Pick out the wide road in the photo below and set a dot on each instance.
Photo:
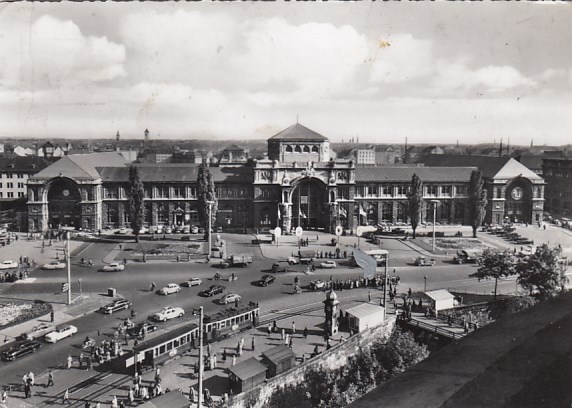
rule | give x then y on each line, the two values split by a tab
134	283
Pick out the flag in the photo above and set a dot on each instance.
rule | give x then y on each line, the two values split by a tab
279	215
302	214
343	212
362	211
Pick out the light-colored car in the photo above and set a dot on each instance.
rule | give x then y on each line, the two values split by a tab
60	333
317	284
193	282
143	230
422	261
229	298
194	229
168	313
170	288
8	265
168	230
54	265
122	231
328	264
186	229
292	260
113	267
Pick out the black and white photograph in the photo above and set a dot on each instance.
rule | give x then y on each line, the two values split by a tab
277	204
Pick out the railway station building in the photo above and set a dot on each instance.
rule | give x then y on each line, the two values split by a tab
299	183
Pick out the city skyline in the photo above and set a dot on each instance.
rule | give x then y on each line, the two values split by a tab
380	72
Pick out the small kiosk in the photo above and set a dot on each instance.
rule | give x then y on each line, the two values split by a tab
441	299
246	375
279	359
364	316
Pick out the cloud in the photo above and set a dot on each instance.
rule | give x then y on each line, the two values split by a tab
51	53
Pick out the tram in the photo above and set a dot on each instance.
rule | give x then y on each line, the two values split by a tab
167	345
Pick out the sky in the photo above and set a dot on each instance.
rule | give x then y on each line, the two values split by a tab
379	72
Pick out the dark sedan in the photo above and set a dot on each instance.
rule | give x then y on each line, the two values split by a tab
213	290
266	280
141	328
20	349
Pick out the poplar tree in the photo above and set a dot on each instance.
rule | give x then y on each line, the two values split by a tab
136	201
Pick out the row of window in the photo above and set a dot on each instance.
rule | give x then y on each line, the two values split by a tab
402	190
10	194
302	149
182	192
11	185
11	175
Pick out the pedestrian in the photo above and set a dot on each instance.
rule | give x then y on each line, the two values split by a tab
287	339
233	361
114	402
305	332
97	405
192	394
50	379
224	354
291	342
4	399
27	390
269	330
69	362
282	335
80	360
66	397
253	341
52	316
274	326
293	328
236	302
369	297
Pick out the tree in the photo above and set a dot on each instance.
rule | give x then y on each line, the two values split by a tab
477	200
415	201
136	201
495	265
541	273
206	192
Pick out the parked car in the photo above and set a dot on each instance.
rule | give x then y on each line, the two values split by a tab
8	265
422	261
139	329
186	229
317	284
292	260
54	265
168	313
266	280
193	282
168	230
60	333
276	267
328	264
122	231
170	288
143	230
213	290
194	229
116	305
113	267
20	349
229	298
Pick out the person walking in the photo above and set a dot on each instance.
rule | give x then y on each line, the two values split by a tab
269	330
233	361
369	297
52	316
66	397
69	362
293	327
305	332
50	379
253	343
114	402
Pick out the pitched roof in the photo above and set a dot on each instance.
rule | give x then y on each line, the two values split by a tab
404	174
279	353
178	173
171	399
364	310
247	369
298	133
23	164
82	166
514	168
440	294
488	165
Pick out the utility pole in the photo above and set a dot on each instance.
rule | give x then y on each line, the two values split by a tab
201	357
435	202
210	203
69	266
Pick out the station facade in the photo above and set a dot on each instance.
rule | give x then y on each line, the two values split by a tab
300	183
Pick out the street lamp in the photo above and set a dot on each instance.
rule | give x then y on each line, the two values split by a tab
435	202
425	285
201	357
68	266
210	203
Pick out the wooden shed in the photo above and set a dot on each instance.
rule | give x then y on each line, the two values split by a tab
246	375
364	316
441	299
279	359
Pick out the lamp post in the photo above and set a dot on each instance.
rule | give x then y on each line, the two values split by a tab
210	203
425	284
201	357
68	267
435	202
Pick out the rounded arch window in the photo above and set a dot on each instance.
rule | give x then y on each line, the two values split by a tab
298	149
306	149
315	149
289	149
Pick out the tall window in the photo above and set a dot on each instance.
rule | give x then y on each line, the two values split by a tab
162	192
179	192
401	190
447	190
461	190
371	191
432	191
386	191
9	185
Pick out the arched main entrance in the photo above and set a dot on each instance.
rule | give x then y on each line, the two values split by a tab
63	204
309	198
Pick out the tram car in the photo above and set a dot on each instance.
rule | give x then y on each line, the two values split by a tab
231	321
164	346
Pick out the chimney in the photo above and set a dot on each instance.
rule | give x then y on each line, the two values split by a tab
500	148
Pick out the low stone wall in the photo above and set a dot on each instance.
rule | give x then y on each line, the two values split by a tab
330	359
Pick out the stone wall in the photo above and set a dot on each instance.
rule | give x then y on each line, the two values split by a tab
331	359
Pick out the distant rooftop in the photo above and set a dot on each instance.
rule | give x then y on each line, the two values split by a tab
298	133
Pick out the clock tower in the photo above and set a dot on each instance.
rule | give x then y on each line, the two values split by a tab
331	309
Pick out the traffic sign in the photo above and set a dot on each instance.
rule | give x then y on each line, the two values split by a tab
65	287
299	231
277	232
339	230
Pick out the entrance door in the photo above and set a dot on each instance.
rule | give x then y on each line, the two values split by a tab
308	201
63	204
